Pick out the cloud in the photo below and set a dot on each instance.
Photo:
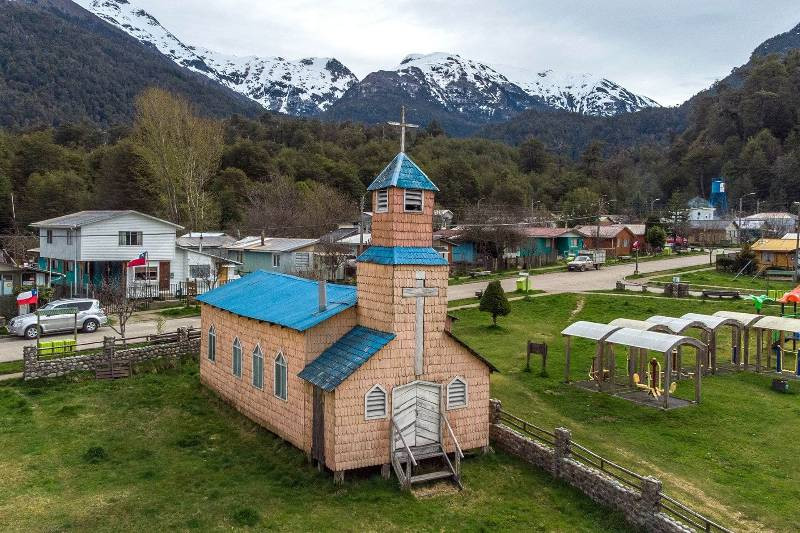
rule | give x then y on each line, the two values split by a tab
665	50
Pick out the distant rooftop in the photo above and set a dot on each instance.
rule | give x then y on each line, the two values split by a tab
84	218
280	299
271	244
211	239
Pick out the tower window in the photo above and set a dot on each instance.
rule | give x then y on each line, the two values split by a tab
382	201
413	200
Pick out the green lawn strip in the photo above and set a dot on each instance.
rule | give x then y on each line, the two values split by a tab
460	280
183	311
159	451
669	271
712	278
10	367
729	457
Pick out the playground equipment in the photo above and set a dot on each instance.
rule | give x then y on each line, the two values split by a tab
775	328
681	326
653	385
758	300
603	369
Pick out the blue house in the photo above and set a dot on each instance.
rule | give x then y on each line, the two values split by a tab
271	254
544	246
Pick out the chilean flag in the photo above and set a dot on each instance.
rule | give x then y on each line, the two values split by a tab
28	297
139	261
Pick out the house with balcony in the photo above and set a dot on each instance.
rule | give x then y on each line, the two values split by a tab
80	251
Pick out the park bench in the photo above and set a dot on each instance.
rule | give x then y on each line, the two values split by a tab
721	294
479	273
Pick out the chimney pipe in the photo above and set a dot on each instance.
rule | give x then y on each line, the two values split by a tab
262	237
323	295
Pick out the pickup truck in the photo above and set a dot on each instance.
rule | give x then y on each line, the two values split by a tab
586	260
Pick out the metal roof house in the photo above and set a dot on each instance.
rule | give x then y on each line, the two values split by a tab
359	376
273	254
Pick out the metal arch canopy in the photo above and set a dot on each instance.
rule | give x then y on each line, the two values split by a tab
711	321
652	340
589	330
745	319
631	323
779	323
677	325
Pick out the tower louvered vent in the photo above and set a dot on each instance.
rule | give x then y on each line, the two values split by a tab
413	200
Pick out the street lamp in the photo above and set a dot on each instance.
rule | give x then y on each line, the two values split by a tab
652	203
740	213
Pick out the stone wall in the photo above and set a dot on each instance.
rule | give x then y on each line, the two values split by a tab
640	507
35	368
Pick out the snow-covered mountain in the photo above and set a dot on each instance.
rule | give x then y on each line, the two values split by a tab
580	93
448	82
298	87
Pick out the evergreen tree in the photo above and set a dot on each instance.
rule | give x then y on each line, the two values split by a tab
494	301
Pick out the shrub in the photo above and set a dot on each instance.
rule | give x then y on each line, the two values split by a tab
246	516
494	301
95	454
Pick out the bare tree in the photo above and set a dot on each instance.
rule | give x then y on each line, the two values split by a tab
183	152
285	208
116	303
331	256
497	229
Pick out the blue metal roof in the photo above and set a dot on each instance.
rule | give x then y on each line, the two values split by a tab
280	299
403	173
344	357
401	255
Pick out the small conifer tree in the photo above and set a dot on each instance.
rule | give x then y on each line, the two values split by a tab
494	301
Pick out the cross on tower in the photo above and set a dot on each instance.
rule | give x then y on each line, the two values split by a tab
420	292
403	125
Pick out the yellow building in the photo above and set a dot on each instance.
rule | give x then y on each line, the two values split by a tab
356	376
775	253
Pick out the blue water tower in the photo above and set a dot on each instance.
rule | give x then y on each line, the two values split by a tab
719	198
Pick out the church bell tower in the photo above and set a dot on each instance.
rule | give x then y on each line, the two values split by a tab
402	280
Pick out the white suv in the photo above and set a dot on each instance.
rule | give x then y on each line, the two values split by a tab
90	317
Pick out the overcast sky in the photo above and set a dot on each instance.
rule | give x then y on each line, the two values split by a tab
665	49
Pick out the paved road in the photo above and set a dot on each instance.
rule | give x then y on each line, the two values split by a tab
11	347
605	278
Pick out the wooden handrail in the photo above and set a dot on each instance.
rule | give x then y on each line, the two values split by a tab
452	435
403	440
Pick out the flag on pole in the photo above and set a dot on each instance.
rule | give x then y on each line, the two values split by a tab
139	261
28	297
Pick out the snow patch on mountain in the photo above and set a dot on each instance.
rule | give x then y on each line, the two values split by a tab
305	86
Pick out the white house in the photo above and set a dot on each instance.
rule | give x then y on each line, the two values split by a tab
88	247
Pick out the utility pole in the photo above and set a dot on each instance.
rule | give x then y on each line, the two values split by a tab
740	214
599	214
796	240
361	225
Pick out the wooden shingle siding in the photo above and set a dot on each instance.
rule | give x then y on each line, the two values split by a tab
290	419
400	228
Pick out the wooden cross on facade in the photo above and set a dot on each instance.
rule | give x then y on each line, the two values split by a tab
403	125
420	292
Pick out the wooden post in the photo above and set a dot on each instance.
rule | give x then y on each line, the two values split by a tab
385	472
779	352
567	343
769	348
746	346
679	363
631	365
667	377
642	363
611	358
698	375
759	345
713	349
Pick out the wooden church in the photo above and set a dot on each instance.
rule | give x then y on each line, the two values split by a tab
357	376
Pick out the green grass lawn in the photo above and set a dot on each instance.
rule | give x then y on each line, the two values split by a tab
725	279
159	452
183	311
731	457
10	367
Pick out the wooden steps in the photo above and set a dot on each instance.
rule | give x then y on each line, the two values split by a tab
431	476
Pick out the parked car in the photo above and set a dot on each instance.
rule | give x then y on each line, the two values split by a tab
90	317
587	259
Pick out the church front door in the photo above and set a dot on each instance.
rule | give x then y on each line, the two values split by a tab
416	411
